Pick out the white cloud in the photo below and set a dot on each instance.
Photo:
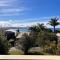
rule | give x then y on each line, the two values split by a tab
11	12
12	23
11	7
6	2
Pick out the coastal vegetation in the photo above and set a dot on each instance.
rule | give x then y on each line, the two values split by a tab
40	41
54	22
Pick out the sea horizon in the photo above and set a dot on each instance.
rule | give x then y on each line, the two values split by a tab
25	29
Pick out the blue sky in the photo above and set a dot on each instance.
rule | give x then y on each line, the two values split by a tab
25	11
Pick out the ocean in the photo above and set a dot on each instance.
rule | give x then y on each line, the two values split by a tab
23	30
55	28
26	29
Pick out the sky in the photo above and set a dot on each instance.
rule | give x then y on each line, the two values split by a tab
28	12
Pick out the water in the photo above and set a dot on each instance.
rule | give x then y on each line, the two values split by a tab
55	29
26	29
23	30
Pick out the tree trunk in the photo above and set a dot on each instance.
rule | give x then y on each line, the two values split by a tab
54	28
26	52
56	43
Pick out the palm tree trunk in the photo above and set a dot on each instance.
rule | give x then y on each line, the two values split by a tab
54	28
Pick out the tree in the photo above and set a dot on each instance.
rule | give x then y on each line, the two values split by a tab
4	45
43	36
37	28
54	22
41	27
24	43
46	38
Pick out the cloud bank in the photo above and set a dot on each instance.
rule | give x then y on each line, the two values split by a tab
12	23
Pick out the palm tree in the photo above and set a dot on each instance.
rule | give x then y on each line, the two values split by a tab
37	28
54	22
41	27
33	28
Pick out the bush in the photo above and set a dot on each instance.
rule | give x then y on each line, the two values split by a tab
35	51
45	38
25	43
51	50
4	44
14	51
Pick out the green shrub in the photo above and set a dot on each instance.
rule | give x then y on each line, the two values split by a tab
4	44
51	50
14	51
35	51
